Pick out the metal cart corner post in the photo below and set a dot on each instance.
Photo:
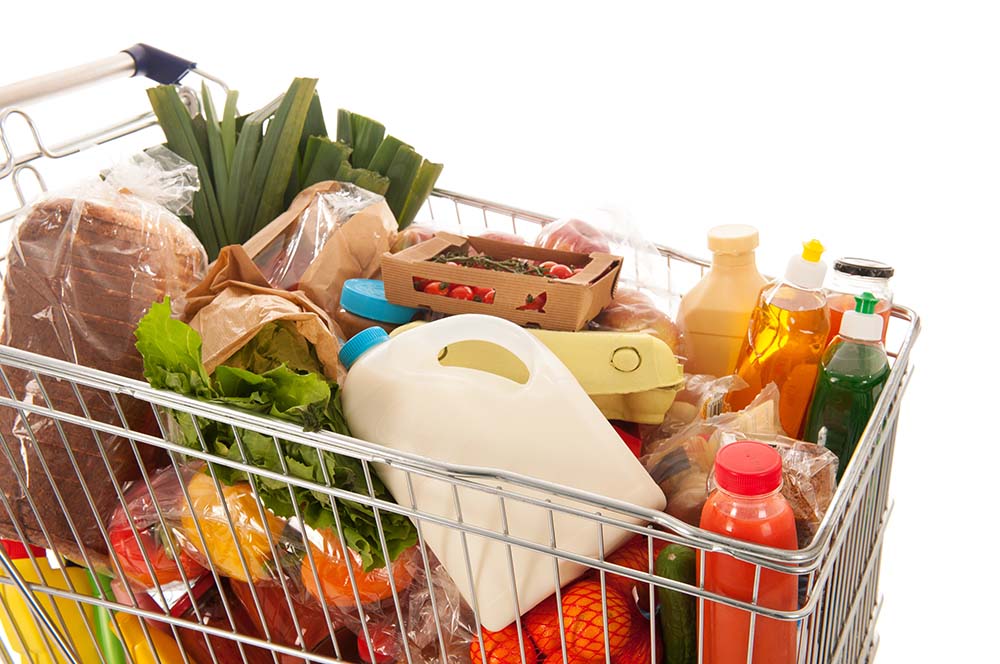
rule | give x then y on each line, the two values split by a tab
835	620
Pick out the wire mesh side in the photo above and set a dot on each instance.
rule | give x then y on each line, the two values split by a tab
848	570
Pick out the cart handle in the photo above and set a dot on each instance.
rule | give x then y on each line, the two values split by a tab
137	60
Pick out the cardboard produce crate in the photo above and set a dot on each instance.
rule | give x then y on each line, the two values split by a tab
533	301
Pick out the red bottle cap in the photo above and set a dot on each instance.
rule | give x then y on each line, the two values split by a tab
748	468
17	551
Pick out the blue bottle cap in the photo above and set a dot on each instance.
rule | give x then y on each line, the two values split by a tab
357	345
366	298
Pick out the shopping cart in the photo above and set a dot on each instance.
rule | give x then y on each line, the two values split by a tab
838	573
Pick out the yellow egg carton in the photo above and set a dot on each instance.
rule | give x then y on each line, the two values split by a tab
631	376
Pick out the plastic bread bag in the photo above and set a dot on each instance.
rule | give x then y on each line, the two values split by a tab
332	232
83	267
681	463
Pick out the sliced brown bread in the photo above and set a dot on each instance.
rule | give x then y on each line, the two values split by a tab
80	275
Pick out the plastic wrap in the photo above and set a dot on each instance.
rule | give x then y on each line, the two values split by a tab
681	463
702	397
642	302
332	232
261	558
809	480
425	643
83	267
632	310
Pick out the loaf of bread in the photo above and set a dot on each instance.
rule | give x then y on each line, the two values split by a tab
80	274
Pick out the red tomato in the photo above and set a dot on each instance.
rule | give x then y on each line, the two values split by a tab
385	642
560	271
483	294
436	288
548	265
460	293
419	284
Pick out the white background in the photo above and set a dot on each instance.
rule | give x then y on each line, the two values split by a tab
873	126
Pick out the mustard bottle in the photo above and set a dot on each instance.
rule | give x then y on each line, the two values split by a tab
715	313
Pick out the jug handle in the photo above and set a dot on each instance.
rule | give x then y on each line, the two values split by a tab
424	343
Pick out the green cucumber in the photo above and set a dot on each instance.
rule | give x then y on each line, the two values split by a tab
678	611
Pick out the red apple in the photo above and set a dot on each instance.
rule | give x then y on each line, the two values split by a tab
573	235
502	236
634	311
411	235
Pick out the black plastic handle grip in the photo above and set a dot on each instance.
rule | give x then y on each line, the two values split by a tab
160	66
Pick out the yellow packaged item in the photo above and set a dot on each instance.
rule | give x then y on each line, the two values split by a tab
159	648
631	376
26	635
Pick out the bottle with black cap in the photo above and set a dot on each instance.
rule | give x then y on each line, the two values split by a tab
852	277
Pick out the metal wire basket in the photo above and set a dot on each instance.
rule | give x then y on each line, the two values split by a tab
838	572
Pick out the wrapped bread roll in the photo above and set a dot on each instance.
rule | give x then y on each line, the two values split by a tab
81	272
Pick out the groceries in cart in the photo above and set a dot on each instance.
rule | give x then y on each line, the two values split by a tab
381	441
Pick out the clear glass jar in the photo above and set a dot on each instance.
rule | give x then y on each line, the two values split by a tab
854	276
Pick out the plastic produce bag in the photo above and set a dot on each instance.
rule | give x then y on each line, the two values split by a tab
332	232
641	302
702	397
83	267
424	641
681	463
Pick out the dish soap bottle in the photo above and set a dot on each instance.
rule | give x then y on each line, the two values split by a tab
785	339
715	313
851	378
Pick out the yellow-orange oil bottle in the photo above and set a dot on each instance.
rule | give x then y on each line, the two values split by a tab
786	338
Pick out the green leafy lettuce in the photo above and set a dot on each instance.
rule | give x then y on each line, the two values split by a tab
277	374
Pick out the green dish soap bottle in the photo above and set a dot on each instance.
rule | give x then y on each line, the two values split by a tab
851	377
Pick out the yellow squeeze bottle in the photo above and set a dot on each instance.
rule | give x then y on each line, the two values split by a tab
786	338
28	637
714	314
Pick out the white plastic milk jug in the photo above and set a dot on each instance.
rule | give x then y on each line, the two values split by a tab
399	395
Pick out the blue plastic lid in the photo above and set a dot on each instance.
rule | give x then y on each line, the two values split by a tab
359	344
366	298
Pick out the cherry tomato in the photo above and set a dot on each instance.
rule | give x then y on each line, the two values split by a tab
460	293
419	284
560	271
453	264
548	265
483	294
385	642
436	288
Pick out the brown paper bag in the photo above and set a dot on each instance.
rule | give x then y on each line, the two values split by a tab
332	232
234	302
